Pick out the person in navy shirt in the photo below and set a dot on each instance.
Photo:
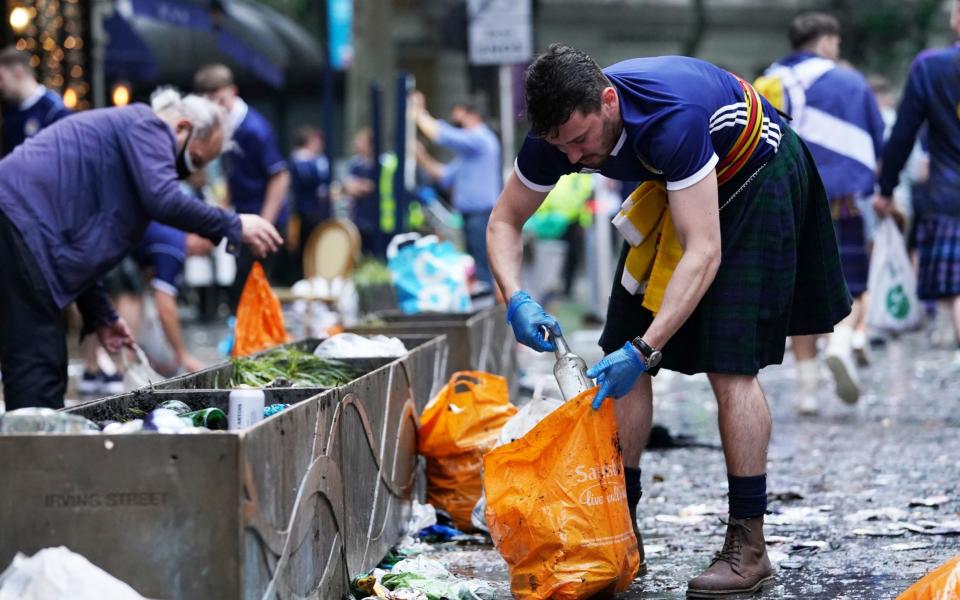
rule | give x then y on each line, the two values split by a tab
161	255
834	110
473	176
932	97
257	176
310	180
759	255
362	186
117	170
28	106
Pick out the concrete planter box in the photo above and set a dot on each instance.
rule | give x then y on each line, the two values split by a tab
287	508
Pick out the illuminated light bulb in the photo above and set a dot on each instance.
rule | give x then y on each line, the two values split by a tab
70	98
19	18
120	94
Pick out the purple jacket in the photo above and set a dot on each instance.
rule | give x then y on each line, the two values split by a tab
82	192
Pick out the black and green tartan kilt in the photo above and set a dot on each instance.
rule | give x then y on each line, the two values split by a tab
779	275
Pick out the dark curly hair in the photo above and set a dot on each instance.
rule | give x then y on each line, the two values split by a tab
809	27
560	81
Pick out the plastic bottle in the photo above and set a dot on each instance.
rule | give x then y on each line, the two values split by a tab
44	420
246	408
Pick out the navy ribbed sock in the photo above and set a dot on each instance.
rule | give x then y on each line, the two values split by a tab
748	496
634	489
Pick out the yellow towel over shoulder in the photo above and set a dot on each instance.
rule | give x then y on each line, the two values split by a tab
644	221
644	217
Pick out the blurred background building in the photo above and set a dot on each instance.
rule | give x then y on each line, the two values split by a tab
314	61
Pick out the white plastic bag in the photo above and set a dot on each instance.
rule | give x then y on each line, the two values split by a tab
139	373
892	284
60	573
351	345
518	426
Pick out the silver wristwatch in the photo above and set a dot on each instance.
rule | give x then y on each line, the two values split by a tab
650	356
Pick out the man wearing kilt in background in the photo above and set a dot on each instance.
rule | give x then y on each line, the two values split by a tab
745	254
834	111
932	96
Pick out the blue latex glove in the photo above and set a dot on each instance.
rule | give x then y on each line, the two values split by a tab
616	373
528	319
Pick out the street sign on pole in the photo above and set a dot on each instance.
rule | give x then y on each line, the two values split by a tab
500	31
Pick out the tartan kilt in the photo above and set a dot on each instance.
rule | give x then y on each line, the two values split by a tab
852	242
780	275
938	250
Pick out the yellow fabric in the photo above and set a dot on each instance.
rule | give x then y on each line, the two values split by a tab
645	222
644	218
771	88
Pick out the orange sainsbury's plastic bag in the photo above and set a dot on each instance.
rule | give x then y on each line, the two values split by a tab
259	317
557	506
456	429
943	583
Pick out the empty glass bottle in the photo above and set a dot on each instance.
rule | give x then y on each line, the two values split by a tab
570	370
211	418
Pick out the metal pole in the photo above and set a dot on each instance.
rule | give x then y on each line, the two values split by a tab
606	201
401	147
506	118
99	10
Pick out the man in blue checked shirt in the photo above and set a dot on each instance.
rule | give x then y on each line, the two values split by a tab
473	177
257	176
835	112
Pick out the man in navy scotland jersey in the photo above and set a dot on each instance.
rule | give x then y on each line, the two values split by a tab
759	259
836	114
931	97
257	176
28	106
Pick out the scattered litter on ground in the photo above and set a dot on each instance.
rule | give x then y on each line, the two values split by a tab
901	547
420	578
930	501
877	514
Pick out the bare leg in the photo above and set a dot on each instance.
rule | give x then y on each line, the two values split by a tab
805	347
634	419
955	313
88	349
806	401
744	423
860	308
856	316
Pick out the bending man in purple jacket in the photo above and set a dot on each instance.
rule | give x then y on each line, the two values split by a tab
74	200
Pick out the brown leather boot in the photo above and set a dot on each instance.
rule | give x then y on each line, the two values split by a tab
642	570
741	567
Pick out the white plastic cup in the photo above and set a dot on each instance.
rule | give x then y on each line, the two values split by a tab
246	408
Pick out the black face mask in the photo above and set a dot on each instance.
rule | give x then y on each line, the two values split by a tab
185	166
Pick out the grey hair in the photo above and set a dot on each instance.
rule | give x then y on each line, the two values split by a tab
205	115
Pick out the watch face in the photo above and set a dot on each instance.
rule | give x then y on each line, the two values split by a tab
654	359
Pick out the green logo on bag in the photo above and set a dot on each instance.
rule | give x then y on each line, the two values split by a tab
898	305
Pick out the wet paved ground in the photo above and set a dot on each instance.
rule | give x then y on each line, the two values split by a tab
841	483
900	443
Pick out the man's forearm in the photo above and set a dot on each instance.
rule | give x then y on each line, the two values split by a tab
505	251
276	191
170	322
432	166
428	126
690	281
504	245
95	308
